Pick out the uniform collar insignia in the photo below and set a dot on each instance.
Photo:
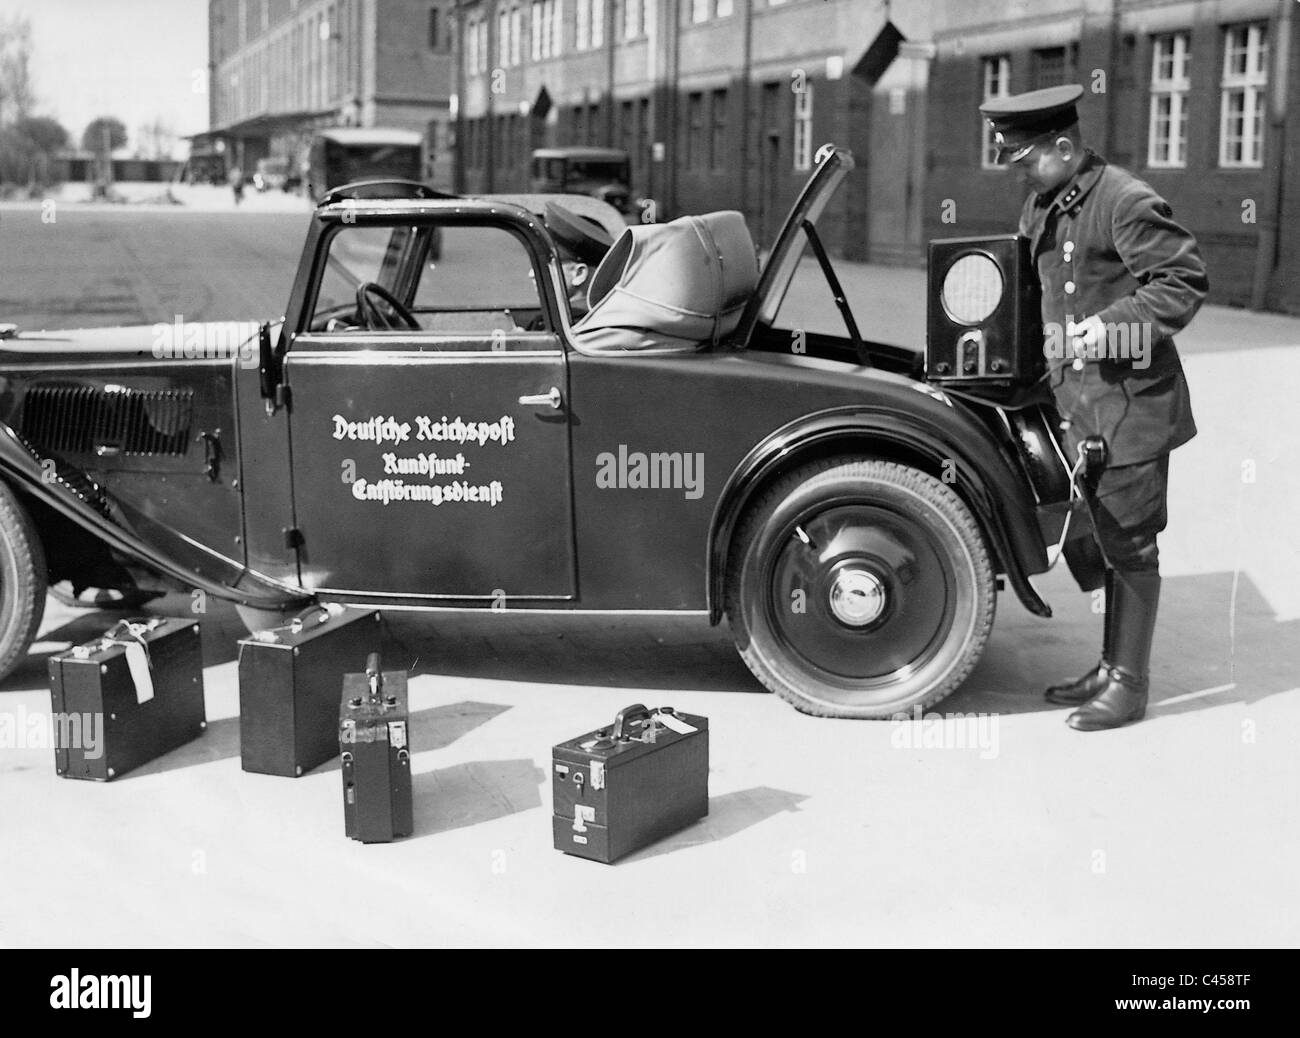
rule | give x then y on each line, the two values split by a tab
1082	182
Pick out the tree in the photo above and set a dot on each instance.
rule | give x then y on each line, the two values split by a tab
16	96
47	135
155	139
93	138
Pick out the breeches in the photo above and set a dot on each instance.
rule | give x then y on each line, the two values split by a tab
1129	510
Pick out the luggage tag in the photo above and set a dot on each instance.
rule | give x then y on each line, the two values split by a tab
137	662
131	639
674	723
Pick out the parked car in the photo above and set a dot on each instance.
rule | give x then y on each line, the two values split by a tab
349	154
442	435
276	174
603	173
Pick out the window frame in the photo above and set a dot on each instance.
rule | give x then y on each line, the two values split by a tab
538	261
1174	88
1252	87
994	87
801	138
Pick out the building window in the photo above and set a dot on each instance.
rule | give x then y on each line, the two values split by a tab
516	35
724	8
476	47
699	10
433	28
1241	115
1167	136
547	21
582	36
803	107
598	23
643	132
997	83
633	19
1050	68
627	129
503	38
718	130
694	130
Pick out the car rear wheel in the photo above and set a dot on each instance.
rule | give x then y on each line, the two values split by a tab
860	588
23	581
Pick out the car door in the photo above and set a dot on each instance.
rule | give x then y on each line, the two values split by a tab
431	463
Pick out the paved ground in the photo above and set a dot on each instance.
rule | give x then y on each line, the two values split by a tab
1179	831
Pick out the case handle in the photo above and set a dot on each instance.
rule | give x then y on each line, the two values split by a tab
628	713
374	674
320	609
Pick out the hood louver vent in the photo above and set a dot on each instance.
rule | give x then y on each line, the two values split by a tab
88	420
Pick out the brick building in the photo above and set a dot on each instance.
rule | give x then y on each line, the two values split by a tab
720	103
280	69
1193	96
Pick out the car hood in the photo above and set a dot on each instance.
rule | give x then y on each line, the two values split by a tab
177	340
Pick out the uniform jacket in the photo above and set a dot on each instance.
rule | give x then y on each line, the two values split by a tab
1106	243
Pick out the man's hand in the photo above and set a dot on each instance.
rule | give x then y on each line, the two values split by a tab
1086	336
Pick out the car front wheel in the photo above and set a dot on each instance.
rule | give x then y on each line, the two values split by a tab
23	581
860	588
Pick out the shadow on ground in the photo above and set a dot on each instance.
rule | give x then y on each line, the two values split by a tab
479	791
1214	645
728	815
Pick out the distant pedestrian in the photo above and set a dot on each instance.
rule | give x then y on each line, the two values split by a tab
1110	258
237	184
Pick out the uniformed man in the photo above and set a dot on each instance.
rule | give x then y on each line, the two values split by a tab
583	244
1119	277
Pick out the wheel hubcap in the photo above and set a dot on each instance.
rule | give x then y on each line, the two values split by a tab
857	596
860	593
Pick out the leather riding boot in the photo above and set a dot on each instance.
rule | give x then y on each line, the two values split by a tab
1074	693
1124	698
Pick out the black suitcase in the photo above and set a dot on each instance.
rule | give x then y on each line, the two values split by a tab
373	732
118	719
289	680
617	789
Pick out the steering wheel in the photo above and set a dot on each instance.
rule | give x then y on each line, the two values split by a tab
372	316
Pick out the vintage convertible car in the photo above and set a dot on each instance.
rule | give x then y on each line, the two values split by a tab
435	431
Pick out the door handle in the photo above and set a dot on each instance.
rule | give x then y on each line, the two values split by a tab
543	399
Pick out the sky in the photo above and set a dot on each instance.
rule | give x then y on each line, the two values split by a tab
138	60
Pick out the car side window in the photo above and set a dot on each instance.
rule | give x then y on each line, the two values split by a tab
471	286
356	255
477	280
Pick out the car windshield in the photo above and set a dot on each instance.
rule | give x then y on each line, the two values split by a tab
597	170
363	162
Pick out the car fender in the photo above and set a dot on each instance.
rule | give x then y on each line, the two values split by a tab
1000	501
26	472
